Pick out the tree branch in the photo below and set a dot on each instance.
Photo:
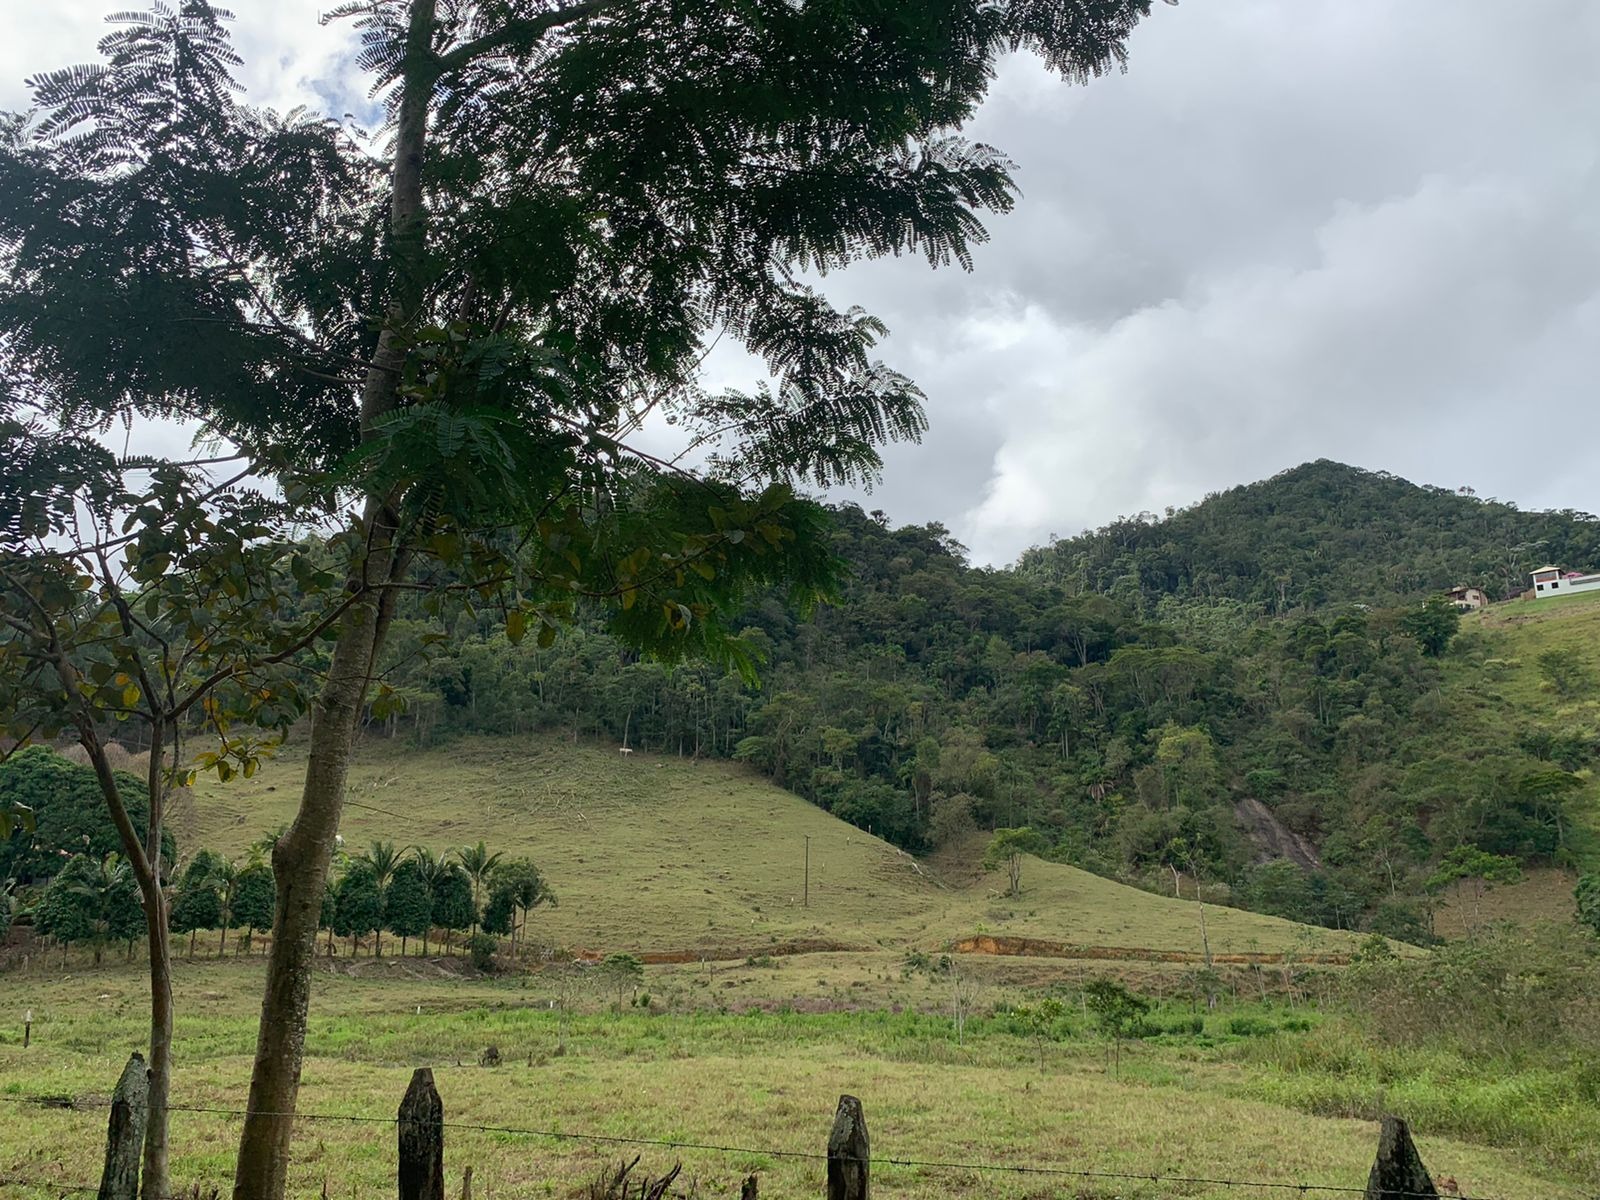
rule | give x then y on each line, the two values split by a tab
520	35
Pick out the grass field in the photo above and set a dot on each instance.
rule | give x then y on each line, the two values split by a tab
1494	669
1278	1102
670	855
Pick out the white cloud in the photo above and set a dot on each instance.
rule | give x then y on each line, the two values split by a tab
1334	228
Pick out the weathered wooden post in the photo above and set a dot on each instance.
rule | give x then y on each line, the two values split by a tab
27	1028
130	1106
1398	1173
421	1128
848	1153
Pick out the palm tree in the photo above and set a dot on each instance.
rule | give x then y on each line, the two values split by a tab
383	858
478	863
226	874
432	868
103	891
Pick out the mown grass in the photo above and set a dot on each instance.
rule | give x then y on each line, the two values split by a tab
663	854
1289	1099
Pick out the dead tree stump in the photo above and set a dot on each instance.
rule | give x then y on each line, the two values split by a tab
1398	1173
848	1153
421	1127
130	1109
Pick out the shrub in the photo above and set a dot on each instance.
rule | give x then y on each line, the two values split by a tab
482	947
1246	1025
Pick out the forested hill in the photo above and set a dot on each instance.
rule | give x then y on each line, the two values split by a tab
1320	765
1320	533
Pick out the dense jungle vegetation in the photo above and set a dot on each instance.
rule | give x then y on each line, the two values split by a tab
1162	726
1320	534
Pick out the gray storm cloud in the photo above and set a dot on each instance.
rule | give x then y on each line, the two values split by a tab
1350	229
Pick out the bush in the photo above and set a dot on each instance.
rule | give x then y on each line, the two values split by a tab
1508	992
1246	1025
482	947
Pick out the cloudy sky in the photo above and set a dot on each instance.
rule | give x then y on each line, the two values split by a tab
1295	229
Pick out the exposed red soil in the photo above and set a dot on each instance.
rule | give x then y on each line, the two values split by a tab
1040	948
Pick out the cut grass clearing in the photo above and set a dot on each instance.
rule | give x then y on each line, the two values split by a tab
768	1082
659	854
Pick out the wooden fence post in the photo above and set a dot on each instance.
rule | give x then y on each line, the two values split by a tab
421	1128
848	1152
1398	1173
130	1107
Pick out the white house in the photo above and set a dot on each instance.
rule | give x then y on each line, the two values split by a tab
1553	581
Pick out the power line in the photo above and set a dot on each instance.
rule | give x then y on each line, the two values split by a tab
814	1156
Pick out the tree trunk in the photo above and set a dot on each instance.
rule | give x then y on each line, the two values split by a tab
144	858
300	862
301	857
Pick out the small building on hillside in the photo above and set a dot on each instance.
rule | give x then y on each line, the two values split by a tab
1553	581
1468	599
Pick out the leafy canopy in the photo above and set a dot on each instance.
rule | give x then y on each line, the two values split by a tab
586	198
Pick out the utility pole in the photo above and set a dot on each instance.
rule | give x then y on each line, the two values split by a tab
806	902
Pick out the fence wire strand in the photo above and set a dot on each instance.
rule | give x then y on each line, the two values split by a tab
772	1152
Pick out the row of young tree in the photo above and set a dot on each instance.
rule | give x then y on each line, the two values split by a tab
408	894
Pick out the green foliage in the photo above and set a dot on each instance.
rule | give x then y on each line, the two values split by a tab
1471	863
1565	673
91	901
621	974
515	886
1043	1021
1433	625
255	898
1320	534
453	906
935	699
357	902
483	948
197	903
1507	993
1007	847
1375	948
1114	1008
408	903
68	809
1587	895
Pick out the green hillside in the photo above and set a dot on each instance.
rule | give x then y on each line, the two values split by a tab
1321	533
1528	672
1247	690
661	855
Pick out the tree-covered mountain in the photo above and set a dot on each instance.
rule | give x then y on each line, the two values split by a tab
1315	764
1321	533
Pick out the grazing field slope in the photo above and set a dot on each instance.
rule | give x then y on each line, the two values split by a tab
666	855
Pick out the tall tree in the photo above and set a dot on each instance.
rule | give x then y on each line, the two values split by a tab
407	904
383	858
479	865
579	198
145	599
197	904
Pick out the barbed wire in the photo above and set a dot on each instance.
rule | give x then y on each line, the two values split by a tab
803	1155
